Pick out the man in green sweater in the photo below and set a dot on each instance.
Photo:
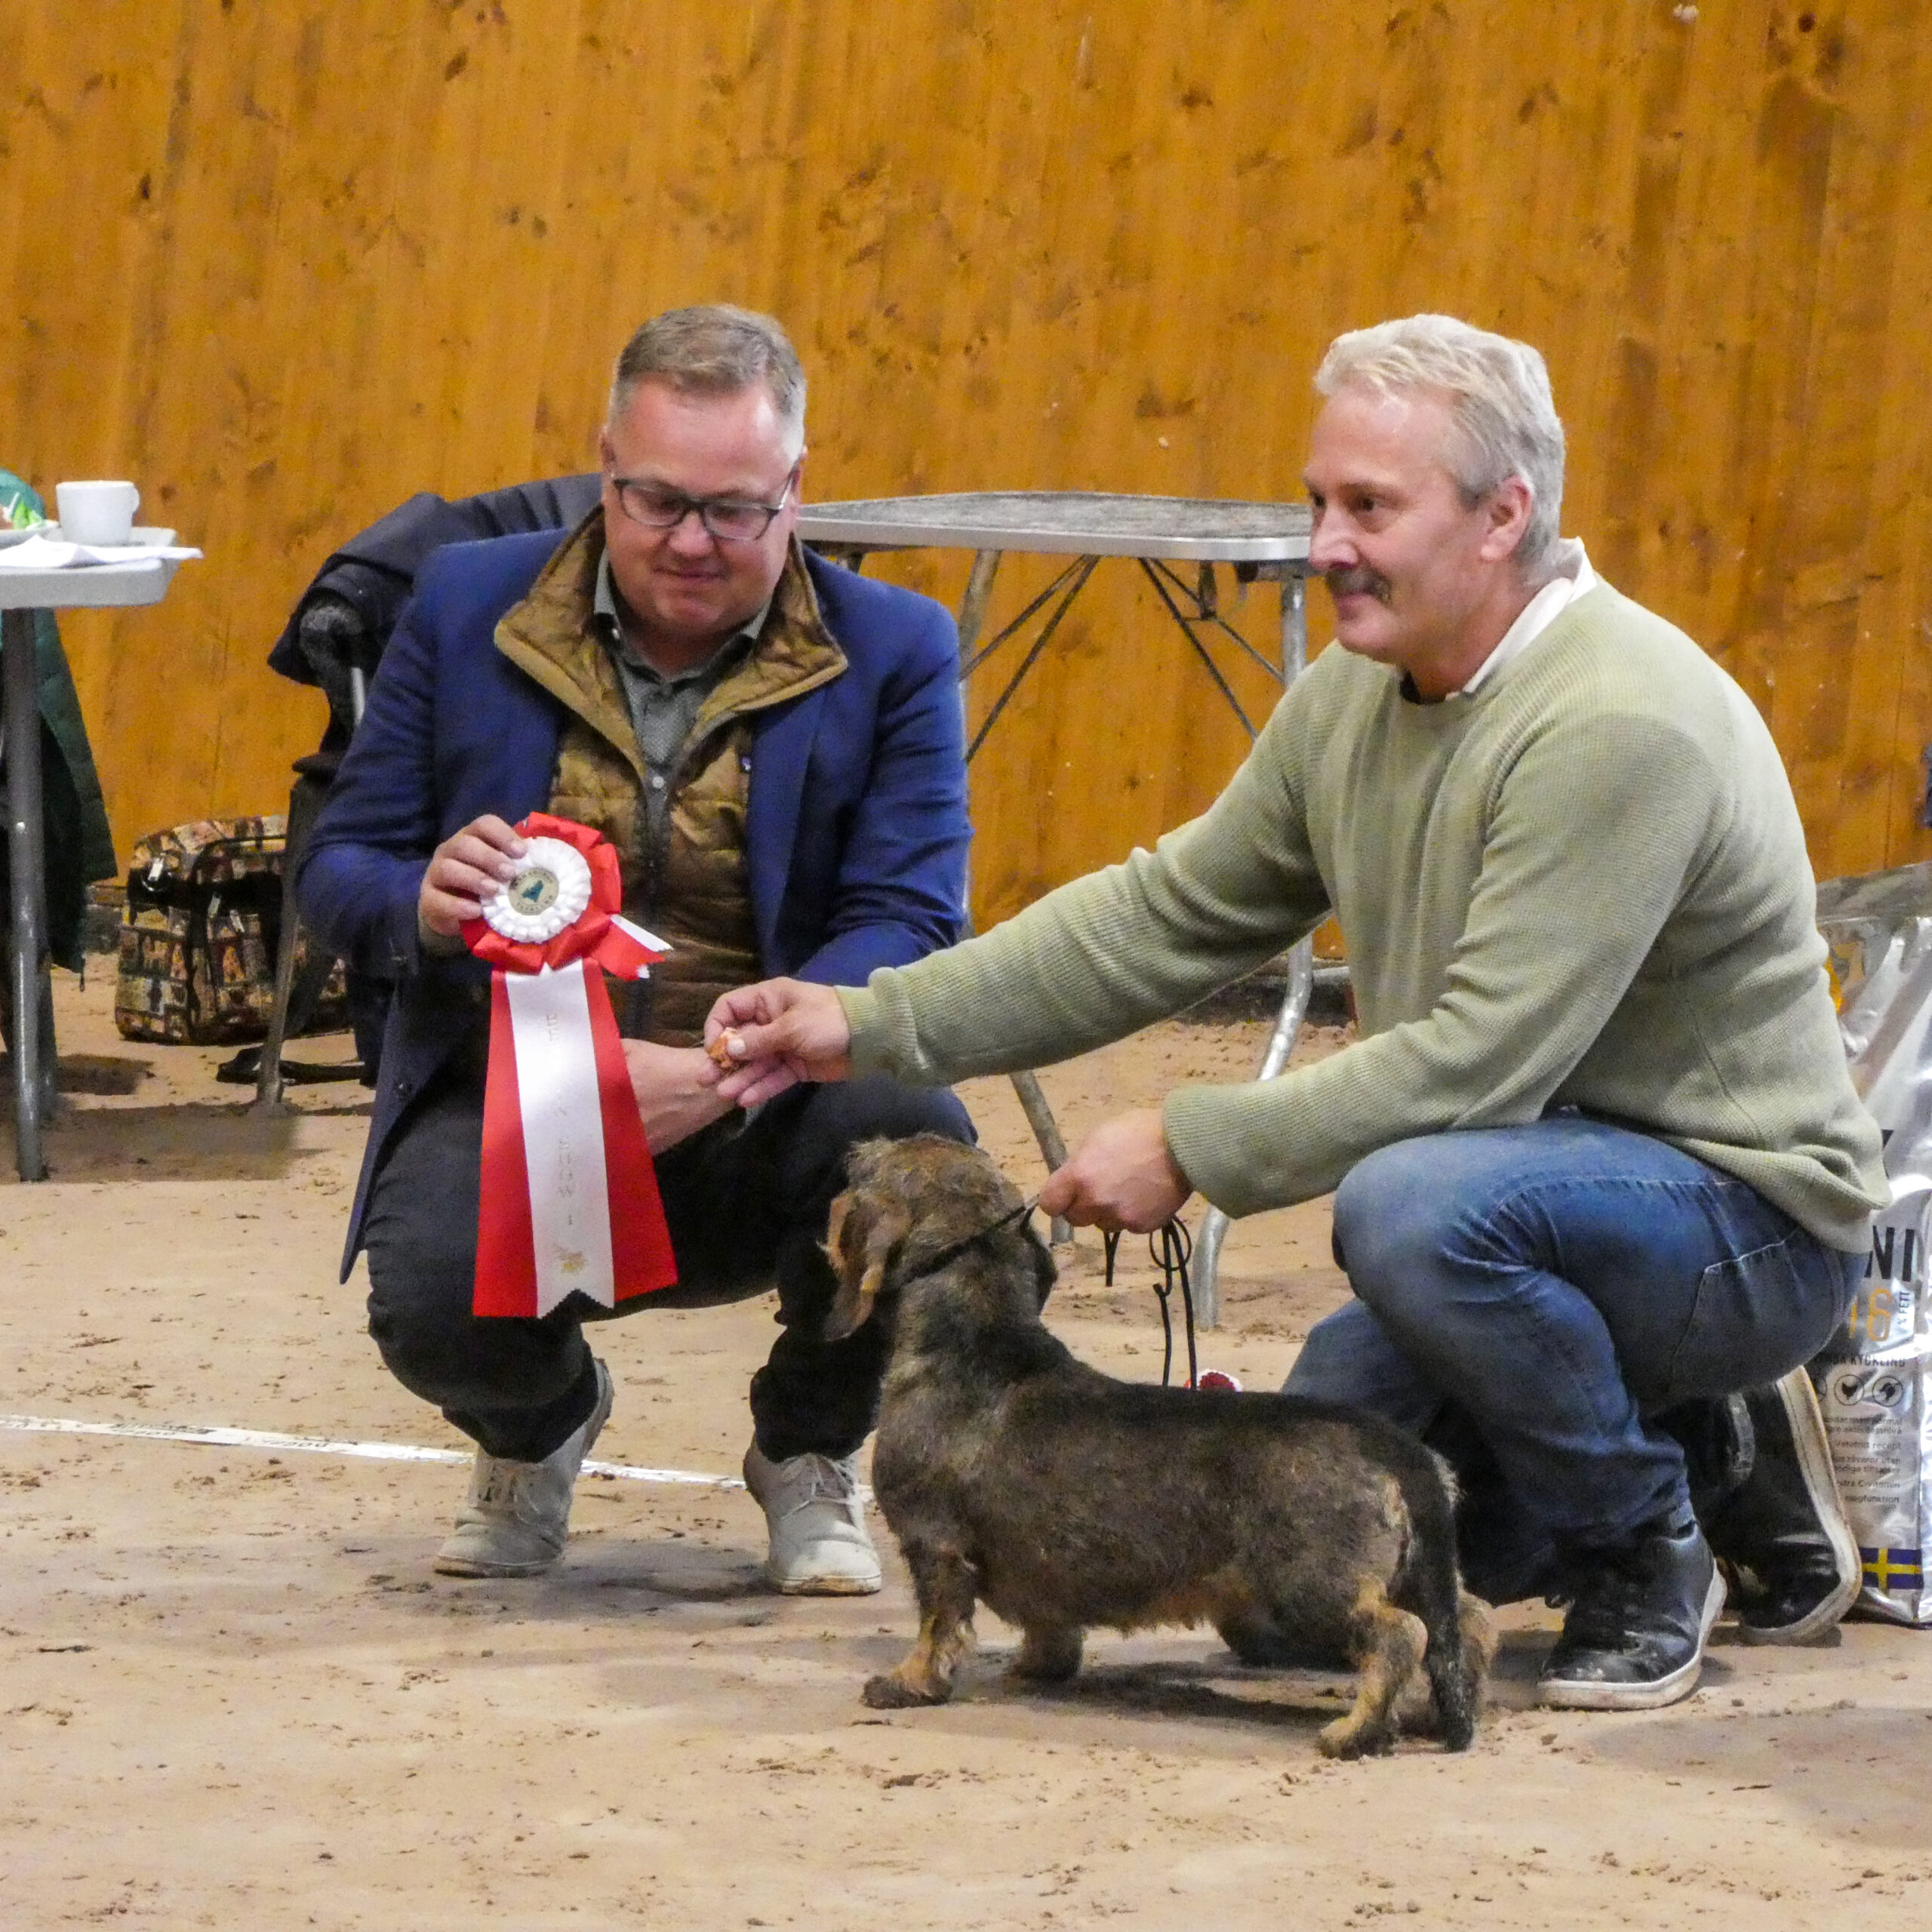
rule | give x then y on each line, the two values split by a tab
1601	1183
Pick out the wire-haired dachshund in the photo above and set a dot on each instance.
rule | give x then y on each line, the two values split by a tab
1014	1475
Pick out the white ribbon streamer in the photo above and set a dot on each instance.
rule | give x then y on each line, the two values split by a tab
640	936
563	1135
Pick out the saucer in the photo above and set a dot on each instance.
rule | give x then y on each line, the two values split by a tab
143	536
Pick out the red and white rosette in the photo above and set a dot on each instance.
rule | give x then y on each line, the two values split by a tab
569	1201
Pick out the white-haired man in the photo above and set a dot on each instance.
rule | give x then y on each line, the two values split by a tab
1602	1184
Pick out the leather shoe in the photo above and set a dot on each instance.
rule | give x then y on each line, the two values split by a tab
1782	1530
1633	1638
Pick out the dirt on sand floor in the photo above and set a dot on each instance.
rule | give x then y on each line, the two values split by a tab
235	1695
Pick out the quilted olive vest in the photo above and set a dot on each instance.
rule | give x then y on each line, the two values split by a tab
689	886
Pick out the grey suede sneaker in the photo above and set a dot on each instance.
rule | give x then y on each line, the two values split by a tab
819	1547
517	1514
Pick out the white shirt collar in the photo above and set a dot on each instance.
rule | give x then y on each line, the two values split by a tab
1574	578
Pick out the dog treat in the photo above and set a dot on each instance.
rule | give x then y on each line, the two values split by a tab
727	1050
1874	1379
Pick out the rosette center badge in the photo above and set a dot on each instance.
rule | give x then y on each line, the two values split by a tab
549	893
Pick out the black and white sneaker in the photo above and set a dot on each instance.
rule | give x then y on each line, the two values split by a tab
1633	1638
1782	1530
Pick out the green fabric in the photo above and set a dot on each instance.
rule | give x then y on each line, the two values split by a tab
80	846
1584	885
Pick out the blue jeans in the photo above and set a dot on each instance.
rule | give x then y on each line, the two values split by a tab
1529	1300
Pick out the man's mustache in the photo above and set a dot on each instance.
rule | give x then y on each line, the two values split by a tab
1359	580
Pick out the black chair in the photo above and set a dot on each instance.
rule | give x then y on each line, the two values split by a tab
334	641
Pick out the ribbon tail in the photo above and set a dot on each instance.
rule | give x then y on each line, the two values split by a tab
506	1281
641	1259
629	952
563	1133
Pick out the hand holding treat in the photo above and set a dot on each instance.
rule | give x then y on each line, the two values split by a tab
776	1034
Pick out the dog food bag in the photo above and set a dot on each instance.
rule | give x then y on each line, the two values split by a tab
1874	1382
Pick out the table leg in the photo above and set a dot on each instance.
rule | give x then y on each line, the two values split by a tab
1281	1043
1294	998
1053	1147
1033	1099
1169	589
973	605
1294	626
25	857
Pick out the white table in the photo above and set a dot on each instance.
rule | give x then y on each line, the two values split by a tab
22	593
1257	540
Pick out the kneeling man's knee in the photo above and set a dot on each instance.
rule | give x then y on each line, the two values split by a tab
880	1107
1393	1217
420	1342
438	1349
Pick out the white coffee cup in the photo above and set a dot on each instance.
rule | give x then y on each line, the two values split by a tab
97	512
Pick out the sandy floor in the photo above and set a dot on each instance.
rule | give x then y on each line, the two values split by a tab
234	1694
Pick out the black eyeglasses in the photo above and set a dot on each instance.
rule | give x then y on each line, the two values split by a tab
729	522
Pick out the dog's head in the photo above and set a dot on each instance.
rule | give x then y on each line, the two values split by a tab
905	1203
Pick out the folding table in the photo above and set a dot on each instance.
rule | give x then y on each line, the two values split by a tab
1267	541
91	586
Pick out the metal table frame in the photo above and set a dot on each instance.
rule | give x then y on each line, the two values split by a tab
93	586
1266	541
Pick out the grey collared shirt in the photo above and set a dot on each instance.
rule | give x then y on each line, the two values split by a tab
663	709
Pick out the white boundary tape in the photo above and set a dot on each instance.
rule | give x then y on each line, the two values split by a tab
319	1445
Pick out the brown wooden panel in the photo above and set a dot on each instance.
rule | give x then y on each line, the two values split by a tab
285	264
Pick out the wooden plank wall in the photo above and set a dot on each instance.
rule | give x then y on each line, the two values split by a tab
284	265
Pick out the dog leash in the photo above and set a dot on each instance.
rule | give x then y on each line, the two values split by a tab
946	1256
1172	1247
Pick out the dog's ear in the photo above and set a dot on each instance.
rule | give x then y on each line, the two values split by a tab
862	1239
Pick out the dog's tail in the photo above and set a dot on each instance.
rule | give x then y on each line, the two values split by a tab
1458	1624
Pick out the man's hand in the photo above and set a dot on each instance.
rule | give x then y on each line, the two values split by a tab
465	870
1123	1176
777	1033
676	1089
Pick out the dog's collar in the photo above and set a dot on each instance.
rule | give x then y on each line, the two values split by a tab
946	1256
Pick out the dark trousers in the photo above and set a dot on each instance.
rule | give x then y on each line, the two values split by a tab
746	1201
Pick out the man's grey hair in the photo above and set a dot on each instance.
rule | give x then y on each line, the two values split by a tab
1498	391
714	350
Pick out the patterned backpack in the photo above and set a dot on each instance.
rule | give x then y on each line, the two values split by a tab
200	934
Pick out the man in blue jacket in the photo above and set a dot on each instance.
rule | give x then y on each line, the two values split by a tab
773	745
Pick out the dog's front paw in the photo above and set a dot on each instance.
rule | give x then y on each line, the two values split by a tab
1349	1737
890	1692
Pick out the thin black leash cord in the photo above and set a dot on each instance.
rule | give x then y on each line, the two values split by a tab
946	1256
1172	1246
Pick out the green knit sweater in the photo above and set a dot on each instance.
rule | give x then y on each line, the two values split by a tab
1584	885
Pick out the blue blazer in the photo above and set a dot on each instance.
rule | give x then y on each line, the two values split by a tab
856	831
